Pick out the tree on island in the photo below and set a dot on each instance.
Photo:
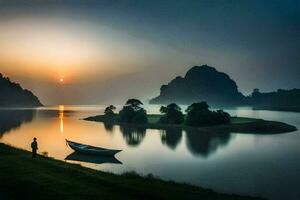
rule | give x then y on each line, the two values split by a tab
172	114
132	112
198	114
109	111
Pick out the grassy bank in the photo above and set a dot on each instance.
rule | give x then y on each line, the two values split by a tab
44	178
237	125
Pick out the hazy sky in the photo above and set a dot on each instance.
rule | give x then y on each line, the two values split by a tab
107	51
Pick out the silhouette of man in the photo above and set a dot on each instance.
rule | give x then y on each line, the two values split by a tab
34	147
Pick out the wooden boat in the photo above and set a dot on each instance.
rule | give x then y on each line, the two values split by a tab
87	149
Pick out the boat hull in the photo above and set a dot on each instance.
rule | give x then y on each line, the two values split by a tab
86	149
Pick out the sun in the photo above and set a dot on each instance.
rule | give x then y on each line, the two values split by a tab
61	80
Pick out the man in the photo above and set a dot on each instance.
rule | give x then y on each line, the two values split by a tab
34	147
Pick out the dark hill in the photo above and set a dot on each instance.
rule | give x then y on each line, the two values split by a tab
201	83
13	95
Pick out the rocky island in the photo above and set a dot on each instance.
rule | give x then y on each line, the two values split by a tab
201	83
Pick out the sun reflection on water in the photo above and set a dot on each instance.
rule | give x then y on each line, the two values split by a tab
61	117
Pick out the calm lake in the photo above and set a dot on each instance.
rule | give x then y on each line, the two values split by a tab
263	165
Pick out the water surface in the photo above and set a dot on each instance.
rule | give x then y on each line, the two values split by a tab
263	165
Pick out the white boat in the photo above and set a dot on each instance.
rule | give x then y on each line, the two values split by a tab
87	149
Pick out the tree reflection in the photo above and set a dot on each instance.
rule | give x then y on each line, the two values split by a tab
171	137
109	127
12	119
205	143
133	135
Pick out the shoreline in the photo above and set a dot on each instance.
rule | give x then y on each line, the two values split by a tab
295	109
48	178
238	125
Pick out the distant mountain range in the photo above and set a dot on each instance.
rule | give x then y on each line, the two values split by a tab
205	83
281	100
13	95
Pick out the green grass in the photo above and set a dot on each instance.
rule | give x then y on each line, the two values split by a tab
44	178
240	120
154	118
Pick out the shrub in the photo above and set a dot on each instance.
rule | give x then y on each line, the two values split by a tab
198	114
172	114
132	112
109	111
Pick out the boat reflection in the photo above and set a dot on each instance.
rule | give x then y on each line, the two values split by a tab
96	159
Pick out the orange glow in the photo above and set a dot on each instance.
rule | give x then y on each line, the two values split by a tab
61	117
47	50
44	54
50	138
